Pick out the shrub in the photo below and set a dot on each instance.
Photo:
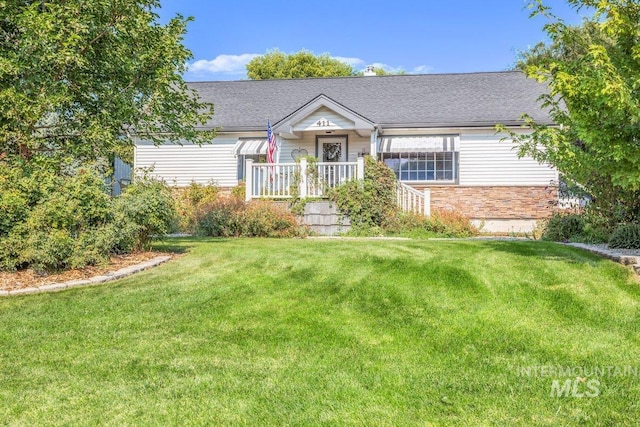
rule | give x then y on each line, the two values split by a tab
221	218
626	236
231	217
444	223
14	209
56	215
190	201
147	210
80	203
451	223
368	203
239	190
563	227
49	250
59	231
267	219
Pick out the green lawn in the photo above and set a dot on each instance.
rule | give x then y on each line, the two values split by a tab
328	332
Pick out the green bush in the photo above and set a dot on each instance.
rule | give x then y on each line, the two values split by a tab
626	236
80	203
239	190
444	223
370	202
230	216
14	209
56	216
221	218
563	227
146	209
266	219
49	250
190	202
59	231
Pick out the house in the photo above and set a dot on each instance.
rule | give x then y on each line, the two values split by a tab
436	131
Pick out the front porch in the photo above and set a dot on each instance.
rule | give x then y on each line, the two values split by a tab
299	179
304	179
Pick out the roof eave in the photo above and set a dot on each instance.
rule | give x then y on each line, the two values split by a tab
471	124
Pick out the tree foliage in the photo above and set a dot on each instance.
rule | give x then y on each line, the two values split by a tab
593	75
279	65
83	77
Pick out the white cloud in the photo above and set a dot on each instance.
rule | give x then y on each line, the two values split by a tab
222	64
354	62
422	69
386	67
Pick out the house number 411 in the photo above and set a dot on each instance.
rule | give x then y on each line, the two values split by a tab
321	123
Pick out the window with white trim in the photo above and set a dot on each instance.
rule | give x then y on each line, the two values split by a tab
421	158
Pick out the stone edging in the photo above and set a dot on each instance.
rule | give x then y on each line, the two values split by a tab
96	280
612	254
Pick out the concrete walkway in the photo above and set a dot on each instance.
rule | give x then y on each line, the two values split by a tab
97	280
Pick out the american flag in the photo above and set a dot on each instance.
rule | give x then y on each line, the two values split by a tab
271	140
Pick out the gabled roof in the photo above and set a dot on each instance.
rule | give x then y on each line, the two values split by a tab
286	124
427	100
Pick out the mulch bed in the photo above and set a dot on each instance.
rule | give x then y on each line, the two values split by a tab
29	278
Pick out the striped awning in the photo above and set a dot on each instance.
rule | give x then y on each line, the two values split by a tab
250	146
418	144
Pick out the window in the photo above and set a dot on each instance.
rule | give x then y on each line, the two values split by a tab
422	166
257	158
421	158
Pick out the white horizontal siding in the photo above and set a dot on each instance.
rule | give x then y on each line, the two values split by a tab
356	145
486	160
331	119
180	165
308	142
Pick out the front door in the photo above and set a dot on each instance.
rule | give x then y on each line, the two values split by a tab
332	149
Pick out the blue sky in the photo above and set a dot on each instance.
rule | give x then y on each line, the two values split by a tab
417	36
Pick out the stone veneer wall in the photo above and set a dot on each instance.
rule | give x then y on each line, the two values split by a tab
495	202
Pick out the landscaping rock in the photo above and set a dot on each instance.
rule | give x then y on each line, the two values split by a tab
52	287
24	291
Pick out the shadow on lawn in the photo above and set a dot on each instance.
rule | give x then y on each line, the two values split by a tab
184	244
545	251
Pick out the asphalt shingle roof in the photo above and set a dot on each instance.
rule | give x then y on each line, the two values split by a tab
428	100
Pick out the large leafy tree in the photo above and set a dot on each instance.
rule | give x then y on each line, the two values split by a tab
278	65
82	78
593	74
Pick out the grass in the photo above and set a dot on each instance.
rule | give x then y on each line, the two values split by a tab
325	332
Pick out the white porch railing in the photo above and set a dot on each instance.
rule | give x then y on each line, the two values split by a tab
287	180
412	200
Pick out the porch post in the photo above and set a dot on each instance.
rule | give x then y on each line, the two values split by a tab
303	178
360	168
373	149
427	202
248	182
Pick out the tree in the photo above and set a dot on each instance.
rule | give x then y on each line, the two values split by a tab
592	72
278	65
82	78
